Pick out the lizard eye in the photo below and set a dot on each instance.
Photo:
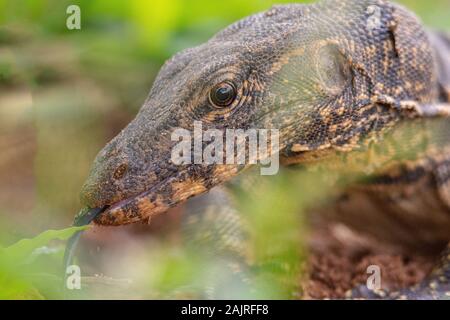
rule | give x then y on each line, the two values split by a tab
223	94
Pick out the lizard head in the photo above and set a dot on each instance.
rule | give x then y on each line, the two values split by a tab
311	72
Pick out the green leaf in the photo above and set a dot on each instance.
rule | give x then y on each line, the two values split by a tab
21	250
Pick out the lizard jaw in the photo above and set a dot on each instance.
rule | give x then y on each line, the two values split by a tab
158	199
163	196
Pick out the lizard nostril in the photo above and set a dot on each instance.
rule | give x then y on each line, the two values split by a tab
120	171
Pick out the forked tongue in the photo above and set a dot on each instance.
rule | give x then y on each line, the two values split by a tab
83	218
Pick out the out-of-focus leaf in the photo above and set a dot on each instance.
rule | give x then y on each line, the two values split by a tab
20	251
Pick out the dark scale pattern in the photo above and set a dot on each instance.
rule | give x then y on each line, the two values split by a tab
360	80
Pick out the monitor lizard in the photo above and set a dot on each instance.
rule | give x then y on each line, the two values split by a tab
336	78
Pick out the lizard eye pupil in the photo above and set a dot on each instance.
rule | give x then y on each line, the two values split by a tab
223	94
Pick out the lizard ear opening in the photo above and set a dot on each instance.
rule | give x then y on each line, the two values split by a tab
334	70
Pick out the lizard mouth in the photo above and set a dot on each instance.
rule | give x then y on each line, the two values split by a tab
163	195
156	200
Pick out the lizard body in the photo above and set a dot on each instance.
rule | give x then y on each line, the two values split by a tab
336	78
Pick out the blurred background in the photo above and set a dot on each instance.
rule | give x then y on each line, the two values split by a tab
65	93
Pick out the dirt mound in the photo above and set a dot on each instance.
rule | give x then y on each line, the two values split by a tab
339	260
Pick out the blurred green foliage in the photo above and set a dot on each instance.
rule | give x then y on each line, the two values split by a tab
21	269
64	94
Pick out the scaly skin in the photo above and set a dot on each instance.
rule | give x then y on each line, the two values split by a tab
336	78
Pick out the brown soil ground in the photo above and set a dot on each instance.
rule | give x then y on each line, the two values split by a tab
339	261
